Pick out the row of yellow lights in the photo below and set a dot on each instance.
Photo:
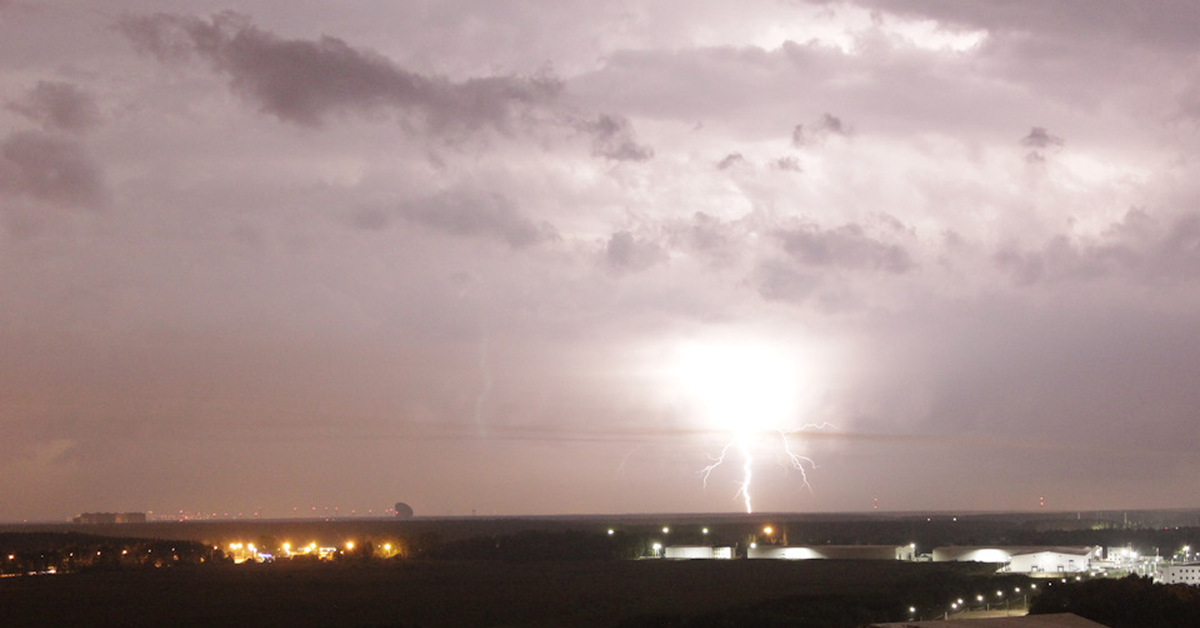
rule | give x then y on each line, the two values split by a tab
287	547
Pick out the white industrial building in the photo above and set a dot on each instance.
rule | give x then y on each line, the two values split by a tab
841	552
1056	560
1024	559
1179	574
697	551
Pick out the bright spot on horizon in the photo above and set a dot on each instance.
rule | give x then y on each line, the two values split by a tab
753	392
739	386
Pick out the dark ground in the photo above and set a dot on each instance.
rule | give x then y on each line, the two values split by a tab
549	571
456	593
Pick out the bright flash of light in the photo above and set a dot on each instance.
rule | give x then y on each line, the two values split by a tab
753	392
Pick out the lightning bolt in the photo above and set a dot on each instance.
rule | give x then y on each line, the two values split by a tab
747	473
717	461
747	468
793	460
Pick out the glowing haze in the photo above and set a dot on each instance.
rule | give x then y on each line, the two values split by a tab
559	257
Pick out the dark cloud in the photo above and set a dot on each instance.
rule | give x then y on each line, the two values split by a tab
1039	138
1138	246
831	125
627	253
730	160
612	138
49	168
59	107
479	215
798	137
819	130
1040	141
302	81
788	163
847	246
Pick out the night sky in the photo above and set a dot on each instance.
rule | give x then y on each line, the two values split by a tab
273	256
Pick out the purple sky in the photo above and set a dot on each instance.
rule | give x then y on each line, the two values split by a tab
550	257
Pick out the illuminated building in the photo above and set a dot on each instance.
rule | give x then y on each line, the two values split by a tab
697	551
842	552
1024	559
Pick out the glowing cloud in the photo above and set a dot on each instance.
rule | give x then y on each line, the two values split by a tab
754	391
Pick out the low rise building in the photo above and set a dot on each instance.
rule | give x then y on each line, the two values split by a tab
842	552
1024	559
1054	560
697	551
1188	573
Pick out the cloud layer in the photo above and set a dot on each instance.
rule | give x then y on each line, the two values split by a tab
459	248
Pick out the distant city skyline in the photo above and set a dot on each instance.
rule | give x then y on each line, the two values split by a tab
560	258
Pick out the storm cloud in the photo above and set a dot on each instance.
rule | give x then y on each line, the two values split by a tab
49	168
470	250
303	81
59	106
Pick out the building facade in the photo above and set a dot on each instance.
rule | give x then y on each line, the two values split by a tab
1179	574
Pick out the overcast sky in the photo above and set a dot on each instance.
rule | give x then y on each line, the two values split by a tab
551	257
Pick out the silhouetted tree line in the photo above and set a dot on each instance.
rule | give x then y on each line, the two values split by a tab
536	546
1131	602
22	553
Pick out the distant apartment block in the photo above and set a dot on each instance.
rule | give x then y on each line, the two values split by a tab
111	517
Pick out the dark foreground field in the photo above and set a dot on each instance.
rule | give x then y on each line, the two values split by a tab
489	593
